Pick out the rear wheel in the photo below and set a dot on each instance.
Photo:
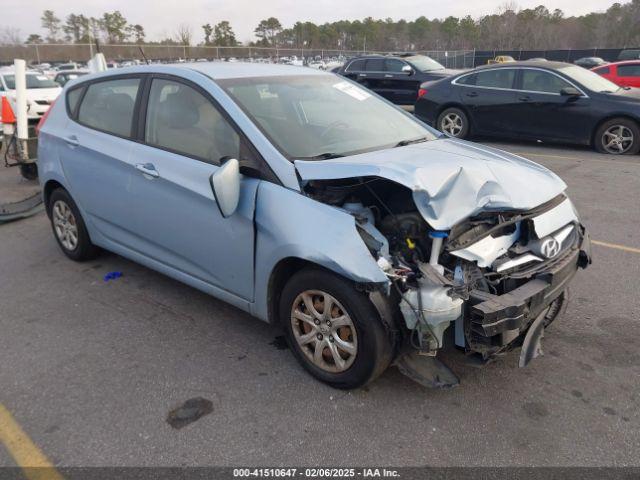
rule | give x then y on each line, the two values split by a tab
453	122
69	228
334	330
618	136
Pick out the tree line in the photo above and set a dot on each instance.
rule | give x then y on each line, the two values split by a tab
510	28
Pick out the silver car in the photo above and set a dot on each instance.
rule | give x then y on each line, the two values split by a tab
315	205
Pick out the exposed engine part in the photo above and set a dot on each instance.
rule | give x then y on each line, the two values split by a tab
436	246
428	310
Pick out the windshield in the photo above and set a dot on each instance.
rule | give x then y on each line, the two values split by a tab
424	63
589	79
33	81
314	117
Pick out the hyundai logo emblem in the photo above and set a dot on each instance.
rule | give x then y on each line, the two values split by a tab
550	247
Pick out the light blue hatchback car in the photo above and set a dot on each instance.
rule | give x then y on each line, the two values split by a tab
312	203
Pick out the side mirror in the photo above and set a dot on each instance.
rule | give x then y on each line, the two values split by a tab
407	69
225	183
570	92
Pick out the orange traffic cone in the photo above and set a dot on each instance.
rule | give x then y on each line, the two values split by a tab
7	112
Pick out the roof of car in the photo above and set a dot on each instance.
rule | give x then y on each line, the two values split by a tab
221	70
527	63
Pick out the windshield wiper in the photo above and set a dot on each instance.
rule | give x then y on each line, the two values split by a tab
322	156
404	143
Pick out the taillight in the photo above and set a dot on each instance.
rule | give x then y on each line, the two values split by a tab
44	118
422	92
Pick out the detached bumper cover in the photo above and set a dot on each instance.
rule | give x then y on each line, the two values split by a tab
491	314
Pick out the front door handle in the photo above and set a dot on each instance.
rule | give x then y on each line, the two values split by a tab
72	141
472	94
147	169
524	98
362	74
388	76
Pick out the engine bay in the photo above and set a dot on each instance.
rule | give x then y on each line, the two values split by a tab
479	276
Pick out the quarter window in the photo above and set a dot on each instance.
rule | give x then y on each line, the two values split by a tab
498	78
467	79
540	81
108	106
629	70
184	121
73	96
603	71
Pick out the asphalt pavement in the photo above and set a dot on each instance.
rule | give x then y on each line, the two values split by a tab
90	370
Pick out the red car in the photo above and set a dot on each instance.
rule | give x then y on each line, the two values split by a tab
625	74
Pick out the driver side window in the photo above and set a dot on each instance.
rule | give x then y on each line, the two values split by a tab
544	82
184	121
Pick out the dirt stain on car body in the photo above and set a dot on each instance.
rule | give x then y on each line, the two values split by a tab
190	411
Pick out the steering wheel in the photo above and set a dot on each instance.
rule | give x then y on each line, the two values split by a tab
333	126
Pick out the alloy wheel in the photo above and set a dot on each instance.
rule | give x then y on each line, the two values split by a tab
451	124
617	139
324	331
65	226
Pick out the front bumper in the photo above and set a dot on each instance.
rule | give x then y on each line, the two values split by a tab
495	321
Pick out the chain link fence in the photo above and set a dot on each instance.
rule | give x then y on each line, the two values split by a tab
456	59
56	53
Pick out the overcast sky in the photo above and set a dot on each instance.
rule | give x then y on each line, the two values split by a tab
160	17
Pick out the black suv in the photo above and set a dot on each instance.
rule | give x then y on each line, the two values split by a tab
396	78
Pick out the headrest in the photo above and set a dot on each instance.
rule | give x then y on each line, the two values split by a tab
180	110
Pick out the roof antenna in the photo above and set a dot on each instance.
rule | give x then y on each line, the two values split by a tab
143	55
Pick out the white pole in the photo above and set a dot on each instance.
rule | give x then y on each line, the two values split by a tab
21	98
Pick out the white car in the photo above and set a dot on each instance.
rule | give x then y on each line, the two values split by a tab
41	91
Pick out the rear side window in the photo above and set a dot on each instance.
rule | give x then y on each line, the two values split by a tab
498	78
182	120
356	66
375	65
629	70
73	97
108	106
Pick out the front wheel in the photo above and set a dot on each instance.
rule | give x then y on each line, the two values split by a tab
618	136
453	122
333	329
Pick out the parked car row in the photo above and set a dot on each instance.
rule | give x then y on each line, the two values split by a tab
550	101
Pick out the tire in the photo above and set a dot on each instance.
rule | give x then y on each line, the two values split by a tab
369	350
29	171
454	123
610	137
67	224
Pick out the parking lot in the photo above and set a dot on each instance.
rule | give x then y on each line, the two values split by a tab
91	369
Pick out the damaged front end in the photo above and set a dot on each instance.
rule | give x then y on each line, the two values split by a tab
488	283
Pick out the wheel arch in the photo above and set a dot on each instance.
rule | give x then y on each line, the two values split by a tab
47	190
612	116
285	269
458	105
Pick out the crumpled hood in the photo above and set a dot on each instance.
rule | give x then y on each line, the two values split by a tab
450	179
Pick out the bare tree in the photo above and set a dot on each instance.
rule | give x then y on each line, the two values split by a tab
184	34
10	36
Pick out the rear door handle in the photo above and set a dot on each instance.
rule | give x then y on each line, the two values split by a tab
362	74
524	98
472	94
147	169
72	141
388	76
